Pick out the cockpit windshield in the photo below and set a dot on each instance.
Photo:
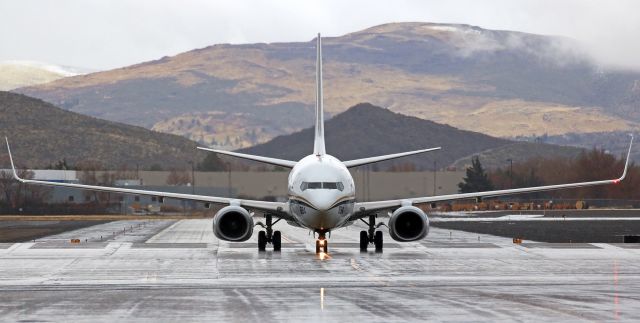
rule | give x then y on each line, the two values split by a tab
321	185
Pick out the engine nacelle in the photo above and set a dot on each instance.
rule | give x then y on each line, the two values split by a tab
408	223
233	223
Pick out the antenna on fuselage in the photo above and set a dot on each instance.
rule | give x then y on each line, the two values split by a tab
318	144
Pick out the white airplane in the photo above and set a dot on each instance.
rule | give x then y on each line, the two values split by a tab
321	196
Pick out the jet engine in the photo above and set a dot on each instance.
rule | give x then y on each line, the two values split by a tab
408	223
233	223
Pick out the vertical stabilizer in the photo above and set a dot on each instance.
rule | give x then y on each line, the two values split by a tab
318	144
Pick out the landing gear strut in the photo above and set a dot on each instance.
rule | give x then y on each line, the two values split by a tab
321	243
371	235
268	235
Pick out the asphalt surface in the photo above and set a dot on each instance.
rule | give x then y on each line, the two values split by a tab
170	271
556	226
22	231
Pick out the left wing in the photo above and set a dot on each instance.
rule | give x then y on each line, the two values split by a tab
364	208
277	207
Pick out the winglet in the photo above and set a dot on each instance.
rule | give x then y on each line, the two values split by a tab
13	166
626	164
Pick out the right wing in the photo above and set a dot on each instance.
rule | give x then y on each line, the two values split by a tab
364	161
278	208
363	208
268	160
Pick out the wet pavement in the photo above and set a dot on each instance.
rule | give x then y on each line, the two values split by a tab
177	270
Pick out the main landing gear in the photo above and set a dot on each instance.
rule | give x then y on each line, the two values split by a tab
268	235
371	236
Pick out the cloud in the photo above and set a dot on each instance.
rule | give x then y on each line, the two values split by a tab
111	33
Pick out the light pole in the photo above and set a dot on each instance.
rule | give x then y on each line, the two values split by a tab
193	178
510	160
229	178
424	184
435	169
368	182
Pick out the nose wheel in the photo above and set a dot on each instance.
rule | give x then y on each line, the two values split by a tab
322	244
371	236
269	236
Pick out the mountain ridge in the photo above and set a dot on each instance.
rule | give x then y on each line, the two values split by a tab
365	130
501	83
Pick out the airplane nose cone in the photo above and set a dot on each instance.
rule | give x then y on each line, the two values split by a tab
322	201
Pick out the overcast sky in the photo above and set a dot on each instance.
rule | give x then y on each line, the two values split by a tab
103	34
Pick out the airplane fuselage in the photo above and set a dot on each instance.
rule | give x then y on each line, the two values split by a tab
321	193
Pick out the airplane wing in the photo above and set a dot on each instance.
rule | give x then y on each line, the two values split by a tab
277	208
364	208
370	160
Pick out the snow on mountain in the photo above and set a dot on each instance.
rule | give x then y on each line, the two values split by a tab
16	73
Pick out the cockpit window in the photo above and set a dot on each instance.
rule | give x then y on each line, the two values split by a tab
322	185
314	185
330	186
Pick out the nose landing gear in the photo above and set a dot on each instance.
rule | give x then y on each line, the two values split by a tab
322	244
371	236
268	235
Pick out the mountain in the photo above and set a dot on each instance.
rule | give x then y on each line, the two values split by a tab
15	74
517	152
501	83
42	134
615	142
366	130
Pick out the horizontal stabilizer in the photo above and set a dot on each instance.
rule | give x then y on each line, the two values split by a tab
364	161
268	160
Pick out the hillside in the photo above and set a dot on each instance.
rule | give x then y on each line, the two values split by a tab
501	83
366	130
616	143
15	74
42	134
518	152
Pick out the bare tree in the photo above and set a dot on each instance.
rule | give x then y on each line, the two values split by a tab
17	195
178	177
88	174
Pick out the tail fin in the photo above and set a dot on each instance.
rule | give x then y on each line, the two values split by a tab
318	144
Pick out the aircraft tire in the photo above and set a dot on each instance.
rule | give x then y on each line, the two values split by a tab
276	240
377	241
262	241
364	241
